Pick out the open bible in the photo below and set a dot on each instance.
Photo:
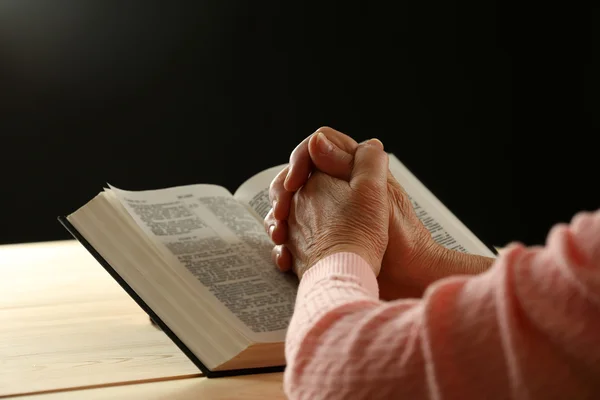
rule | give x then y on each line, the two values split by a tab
197	259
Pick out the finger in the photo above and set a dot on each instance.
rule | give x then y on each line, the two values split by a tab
300	162
284	262
370	164
329	158
282	258
277	230
269	222
279	197
275	252
276	185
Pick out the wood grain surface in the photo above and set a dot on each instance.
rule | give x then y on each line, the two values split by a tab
64	322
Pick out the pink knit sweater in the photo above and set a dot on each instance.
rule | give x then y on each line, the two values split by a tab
529	328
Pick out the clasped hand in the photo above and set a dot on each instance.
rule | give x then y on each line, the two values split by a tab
336	195
330	215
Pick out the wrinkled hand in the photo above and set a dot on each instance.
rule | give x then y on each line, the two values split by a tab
330	215
412	261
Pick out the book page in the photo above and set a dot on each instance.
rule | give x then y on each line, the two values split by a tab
254	193
444	227
221	247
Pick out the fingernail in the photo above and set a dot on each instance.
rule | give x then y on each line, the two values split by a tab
325	146
375	142
271	230
274	206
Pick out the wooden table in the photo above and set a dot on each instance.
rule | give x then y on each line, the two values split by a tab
68	331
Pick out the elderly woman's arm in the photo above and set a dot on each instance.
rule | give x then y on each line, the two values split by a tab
527	328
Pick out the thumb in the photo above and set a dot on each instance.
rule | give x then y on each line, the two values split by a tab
370	165
329	158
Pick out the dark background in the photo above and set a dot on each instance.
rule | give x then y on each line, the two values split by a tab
494	107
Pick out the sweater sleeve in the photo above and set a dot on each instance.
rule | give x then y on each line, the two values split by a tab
527	328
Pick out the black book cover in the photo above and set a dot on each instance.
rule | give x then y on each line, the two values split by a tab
156	319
